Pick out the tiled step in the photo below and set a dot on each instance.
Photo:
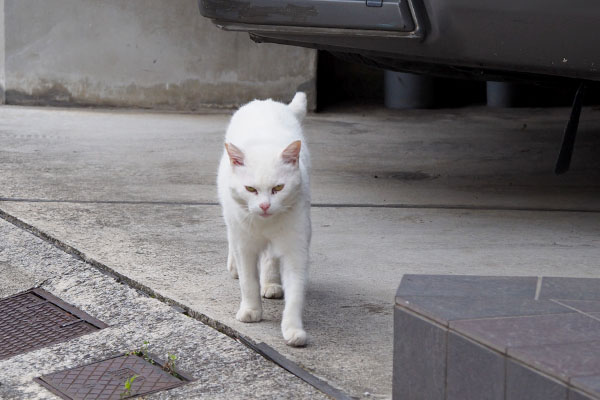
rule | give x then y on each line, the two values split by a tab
504	338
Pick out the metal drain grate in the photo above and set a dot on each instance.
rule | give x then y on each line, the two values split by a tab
35	319
106	379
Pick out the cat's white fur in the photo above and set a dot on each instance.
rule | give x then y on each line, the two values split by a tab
264	148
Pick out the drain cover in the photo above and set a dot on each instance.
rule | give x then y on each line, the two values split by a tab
35	319
106	379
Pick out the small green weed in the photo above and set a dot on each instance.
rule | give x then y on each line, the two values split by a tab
142	352
128	384
170	364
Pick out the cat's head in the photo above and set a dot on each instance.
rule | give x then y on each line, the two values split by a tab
266	177
265	180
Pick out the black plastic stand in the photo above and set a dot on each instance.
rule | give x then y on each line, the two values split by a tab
566	150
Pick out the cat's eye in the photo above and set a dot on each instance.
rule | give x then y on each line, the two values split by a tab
250	189
277	188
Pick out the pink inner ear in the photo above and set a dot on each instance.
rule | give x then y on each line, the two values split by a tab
291	153
236	156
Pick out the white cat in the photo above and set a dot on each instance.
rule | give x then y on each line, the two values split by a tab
263	185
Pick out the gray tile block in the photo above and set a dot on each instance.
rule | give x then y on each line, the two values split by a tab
446	325
474	372
570	288
419	358
502	333
590	384
467	286
523	383
443	309
562	360
576	395
582	305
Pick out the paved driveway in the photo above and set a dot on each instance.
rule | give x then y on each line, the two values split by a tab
469	191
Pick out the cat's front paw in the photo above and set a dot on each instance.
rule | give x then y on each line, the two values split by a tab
295	337
272	291
248	315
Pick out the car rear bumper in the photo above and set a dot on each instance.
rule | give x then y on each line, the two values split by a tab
546	37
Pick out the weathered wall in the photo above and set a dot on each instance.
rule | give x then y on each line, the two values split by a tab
141	53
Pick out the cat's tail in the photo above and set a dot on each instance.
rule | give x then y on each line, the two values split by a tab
298	105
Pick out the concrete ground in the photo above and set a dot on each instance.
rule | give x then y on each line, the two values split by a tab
223	367
467	191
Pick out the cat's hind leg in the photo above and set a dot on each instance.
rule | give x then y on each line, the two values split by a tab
270	280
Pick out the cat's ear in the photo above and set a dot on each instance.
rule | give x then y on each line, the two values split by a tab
236	156
291	153
298	105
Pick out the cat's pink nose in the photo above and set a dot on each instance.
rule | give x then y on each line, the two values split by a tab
264	206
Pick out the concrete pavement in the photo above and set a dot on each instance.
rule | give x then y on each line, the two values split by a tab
223	368
469	191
